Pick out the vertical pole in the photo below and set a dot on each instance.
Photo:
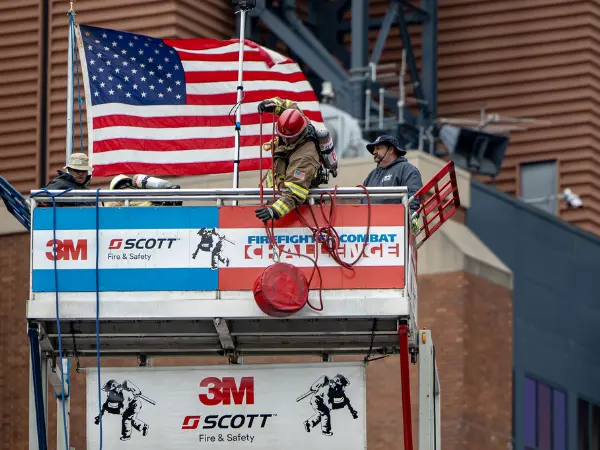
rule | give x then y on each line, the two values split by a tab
381	105
62	429
70	93
33	426
427	403
402	89
38	394
360	48
429	64
238	114
405	380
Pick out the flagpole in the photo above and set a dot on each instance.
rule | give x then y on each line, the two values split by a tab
70	93
244	6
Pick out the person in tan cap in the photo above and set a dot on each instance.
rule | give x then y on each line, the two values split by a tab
76	175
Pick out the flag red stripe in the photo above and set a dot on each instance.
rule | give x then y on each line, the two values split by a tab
251	96
122	120
198	43
178	169
223	57
172	145
232	75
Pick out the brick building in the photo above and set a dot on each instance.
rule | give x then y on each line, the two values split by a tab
525	59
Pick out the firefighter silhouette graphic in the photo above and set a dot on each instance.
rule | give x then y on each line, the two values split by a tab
326	395
125	399
208	236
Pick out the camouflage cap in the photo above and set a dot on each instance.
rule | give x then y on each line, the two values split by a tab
79	161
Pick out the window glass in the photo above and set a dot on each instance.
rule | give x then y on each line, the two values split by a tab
539	185
544	418
530	413
559	420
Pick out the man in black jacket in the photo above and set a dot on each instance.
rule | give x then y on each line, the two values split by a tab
76	176
393	169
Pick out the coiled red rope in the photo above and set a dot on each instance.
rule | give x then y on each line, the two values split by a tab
327	236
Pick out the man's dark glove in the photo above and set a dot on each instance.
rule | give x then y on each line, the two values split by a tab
267	106
266	213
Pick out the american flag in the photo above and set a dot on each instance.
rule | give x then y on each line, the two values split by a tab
166	106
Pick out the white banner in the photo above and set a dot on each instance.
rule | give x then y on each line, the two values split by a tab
260	407
210	247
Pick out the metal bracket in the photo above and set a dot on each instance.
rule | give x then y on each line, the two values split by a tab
224	334
144	360
235	357
54	377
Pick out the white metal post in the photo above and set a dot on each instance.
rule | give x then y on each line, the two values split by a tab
429	394
240	89
70	93
54	379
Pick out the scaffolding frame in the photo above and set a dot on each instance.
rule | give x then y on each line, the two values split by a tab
339	333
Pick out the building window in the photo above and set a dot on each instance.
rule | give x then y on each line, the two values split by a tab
588	419
539	185
545	416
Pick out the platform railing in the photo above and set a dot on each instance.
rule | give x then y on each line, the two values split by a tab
237	194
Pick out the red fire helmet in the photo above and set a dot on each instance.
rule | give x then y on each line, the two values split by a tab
291	124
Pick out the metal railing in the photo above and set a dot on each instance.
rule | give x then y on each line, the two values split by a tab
237	194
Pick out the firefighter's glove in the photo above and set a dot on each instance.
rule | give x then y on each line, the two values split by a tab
271	105
267	106
415	224
266	213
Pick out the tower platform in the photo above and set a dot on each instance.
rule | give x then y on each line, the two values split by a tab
178	279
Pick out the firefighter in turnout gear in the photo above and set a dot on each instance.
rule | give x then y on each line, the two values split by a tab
296	158
123	399
328	395
207	244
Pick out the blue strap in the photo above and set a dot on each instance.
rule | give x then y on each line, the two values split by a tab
98	308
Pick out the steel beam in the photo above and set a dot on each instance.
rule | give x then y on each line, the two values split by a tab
321	66
377	22
412	66
318	58
429	61
420	11
359	53
388	20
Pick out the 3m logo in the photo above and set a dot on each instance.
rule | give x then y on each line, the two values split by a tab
224	390
67	250
115	244
190	422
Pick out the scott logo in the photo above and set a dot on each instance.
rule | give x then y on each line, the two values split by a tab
67	250
190	422
226	421
222	391
141	244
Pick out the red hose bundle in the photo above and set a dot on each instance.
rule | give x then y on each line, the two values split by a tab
282	289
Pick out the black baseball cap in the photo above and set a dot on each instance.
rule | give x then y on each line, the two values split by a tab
386	139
